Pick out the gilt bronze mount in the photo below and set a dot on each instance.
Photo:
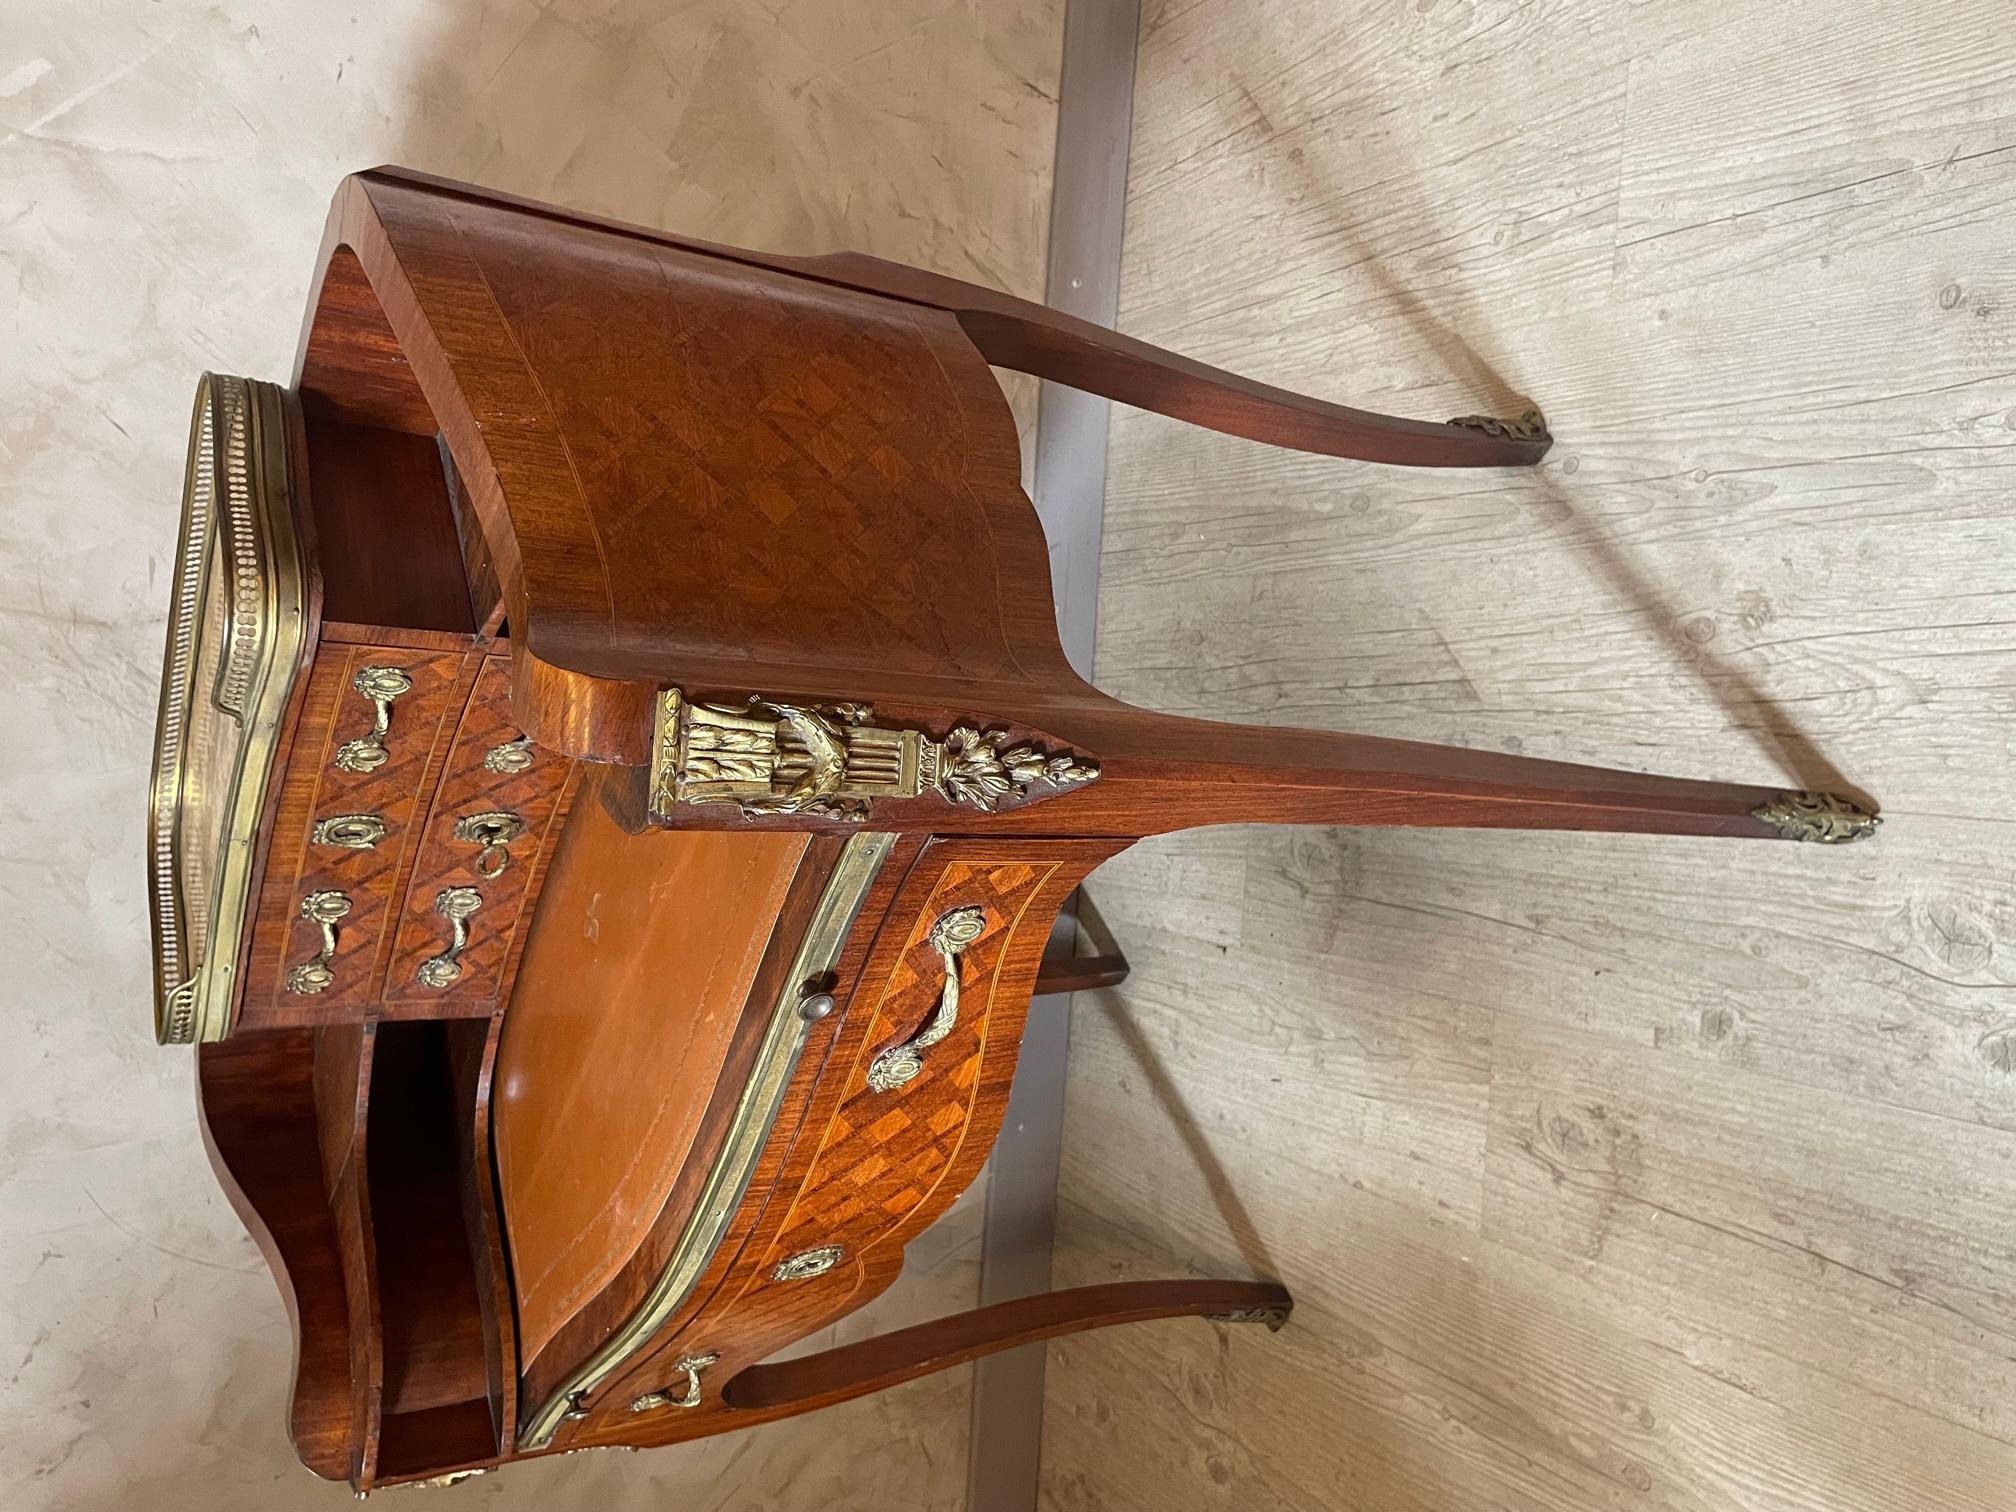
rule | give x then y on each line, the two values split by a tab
830	761
1276	1318
1820	818
1530	425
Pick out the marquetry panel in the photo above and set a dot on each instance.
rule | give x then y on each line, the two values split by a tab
884	1153
314	788
866	1170
745	416
469	787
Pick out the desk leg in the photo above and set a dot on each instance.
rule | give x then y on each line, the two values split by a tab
1160	773
1089	357
1032	338
838	1375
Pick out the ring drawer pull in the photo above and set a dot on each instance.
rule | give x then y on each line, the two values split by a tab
494	832
381	685
314	974
455	904
949	937
692	1365
351	831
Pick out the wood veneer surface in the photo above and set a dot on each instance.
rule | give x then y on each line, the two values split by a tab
257	1104
642	956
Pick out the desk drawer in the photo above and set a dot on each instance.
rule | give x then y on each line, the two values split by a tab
910	1094
494	788
394	746
888	1139
354	788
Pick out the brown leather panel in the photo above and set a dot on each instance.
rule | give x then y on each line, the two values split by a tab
641	958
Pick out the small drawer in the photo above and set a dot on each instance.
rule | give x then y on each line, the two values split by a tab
374	724
480	849
910	1094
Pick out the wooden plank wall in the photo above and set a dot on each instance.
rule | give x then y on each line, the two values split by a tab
1609	1172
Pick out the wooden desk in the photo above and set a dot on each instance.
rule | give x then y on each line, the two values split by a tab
617	777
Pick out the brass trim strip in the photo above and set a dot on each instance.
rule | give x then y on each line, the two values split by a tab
755	1116
236	484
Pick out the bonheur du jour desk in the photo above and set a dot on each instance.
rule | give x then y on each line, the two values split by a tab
617	774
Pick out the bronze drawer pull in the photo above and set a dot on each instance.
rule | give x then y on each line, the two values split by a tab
455	904
806	1264
494	832
314	974
949	937
692	1365
512	757
381	685
351	831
